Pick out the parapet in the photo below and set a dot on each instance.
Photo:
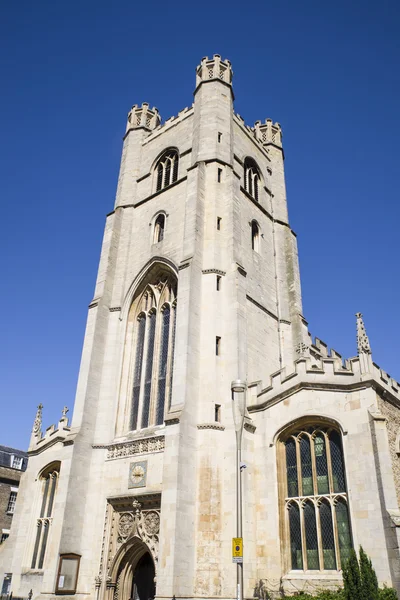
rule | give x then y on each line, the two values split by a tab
143	116
268	132
214	68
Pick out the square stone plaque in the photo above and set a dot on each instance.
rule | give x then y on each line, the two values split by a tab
137	474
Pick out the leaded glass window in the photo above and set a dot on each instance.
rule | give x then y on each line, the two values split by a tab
49	481
167	169
152	357
316	505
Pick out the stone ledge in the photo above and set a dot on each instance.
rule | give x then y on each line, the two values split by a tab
216	426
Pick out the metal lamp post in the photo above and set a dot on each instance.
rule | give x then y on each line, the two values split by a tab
238	388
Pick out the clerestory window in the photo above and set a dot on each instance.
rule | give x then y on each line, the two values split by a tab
315	506
154	338
167	169
251	178
48	481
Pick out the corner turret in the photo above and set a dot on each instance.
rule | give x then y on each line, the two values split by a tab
143	116
268	133
214	68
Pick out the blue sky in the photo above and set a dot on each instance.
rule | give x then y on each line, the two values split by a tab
327	71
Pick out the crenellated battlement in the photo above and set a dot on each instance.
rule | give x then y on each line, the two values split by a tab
143	116
53	433
321	367
214	68
266	134
172	121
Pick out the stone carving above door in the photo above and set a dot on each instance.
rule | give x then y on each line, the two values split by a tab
129	517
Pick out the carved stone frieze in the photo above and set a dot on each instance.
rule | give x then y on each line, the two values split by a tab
131	448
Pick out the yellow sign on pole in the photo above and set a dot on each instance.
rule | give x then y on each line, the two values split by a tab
237	550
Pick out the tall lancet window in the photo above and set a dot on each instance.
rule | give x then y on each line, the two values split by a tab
167	169
314	506
48	481
251	178
152	317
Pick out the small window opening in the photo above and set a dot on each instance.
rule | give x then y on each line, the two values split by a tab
218	282
219	223
159	227
255	237
219	136
219	175
218	346
217	413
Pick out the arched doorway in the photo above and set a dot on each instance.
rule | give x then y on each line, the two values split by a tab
133	572
143	585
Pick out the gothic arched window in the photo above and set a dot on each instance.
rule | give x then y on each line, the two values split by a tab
251	178
159	227
255	236
315	504
48	481
167	169
154	313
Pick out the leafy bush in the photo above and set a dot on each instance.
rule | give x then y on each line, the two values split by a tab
387	594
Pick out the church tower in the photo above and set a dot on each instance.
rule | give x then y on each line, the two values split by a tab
198	285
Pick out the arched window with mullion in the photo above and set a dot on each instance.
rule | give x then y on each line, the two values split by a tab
167	169
314	464
151	326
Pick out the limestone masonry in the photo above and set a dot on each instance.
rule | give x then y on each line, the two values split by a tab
198	285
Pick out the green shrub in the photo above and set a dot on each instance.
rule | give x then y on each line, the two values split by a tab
387	594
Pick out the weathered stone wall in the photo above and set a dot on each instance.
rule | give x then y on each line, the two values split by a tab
392	414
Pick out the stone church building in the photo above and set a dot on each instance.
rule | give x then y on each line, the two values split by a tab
199	285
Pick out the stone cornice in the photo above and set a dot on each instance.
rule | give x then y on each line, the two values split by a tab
216	426
217	271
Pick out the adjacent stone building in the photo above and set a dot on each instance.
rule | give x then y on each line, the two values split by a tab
12	464
198	285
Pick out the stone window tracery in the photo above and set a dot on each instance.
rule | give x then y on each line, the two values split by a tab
154	314
251	178
167	169
315	503
49	481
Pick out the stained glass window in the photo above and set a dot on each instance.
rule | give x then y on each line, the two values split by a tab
321	464
163	363
337	462
149	369
315	475
137	371
295	537
306	468
344	532
310	526
291	467
327	537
